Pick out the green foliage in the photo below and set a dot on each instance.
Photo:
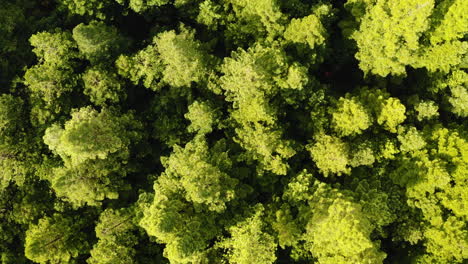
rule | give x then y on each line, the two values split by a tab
209	14
443	57
459	101
49	82
350	117
140	6
202	173
388	36
377	199
13	52
184	58
249	243
53	77
185	230
52	80
432	177
90	134
451	19
116	239
217	131
362	155
193	188
267	146
168	110
331	155
94	8
99	42
308	30
336	218
410	140
388	150
287	229
94	147
447	243
145	67
202	117
54	49
250	79
9	16
262	18
299	188
391	35
103	87
11	121
426	110
392	113
54	240
388	111
89	182
176	59
457	82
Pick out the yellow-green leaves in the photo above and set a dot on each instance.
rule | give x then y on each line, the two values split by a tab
53	78
451	20
435	180
116	239
92	145
299	189
55	240
259	18
141	6
176	59
447	243
184	58
184	228
209	14
392	113
54	48
459	100
88	183
249	242
144	67
287	229
189	195
267	146
426	110
99	42
88	135
397	34
297	77
411	139
103	86
233	131
331	155
308	30
251	78
339	231
93	8
203	117
388	37
442	57
202	173
453	87
350	117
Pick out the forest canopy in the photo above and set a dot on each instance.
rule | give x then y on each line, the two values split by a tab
233	131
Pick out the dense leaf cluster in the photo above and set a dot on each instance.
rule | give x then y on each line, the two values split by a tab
233	131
